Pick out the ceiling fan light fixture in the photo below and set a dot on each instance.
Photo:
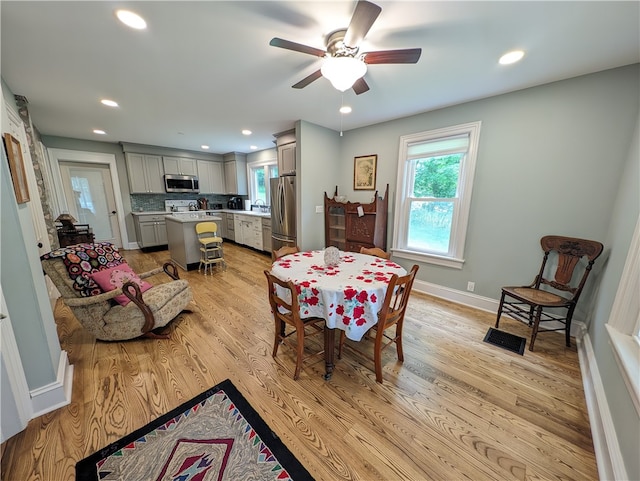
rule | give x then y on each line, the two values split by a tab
343	72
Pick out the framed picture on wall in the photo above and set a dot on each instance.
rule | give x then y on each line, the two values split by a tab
364	172
16	166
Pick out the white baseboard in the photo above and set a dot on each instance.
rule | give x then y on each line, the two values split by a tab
603	433
56	394
473	300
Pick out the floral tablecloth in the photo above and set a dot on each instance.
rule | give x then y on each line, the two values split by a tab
348	295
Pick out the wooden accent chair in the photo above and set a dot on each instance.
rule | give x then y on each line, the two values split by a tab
288	313
391	314
375	251
533	302
108	298
284	251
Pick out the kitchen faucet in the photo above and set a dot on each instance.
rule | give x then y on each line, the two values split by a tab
260	203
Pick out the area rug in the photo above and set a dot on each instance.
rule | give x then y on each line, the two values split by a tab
505	340
215	436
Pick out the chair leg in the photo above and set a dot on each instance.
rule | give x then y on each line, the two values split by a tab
567	326
377	352
499	310
536	324
279	333
299	353
340	344
398	340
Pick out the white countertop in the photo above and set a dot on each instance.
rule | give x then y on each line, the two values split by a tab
228	211
191	216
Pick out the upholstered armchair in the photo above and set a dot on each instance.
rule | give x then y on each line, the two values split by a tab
108	298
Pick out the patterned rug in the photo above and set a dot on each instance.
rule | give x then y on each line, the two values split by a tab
215	436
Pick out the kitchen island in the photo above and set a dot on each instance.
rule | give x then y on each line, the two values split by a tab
184	247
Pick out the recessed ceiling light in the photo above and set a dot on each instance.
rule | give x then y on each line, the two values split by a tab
511	57
205	147
253	147
131	19
345	109
99	132
246	132
109	103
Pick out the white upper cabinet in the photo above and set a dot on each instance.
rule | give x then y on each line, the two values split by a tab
235	173
287	158
211	177
180	166
145	173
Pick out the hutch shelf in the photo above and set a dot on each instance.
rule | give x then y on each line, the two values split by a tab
351	225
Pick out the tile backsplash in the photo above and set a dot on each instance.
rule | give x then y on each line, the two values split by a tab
155	202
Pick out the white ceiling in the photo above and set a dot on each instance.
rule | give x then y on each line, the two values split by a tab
202	71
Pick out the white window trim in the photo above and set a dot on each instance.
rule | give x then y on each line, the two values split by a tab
624	321
460	222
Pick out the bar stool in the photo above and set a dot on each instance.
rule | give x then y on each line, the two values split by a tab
210	246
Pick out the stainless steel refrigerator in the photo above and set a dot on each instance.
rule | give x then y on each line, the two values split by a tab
283	212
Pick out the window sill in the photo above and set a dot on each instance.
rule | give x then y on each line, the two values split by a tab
627	354
429	258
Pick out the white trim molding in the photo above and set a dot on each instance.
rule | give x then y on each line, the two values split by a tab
59	155
56	394
605	441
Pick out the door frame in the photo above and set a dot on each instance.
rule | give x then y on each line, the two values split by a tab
60	203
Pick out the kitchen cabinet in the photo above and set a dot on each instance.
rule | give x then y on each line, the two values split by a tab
235	173
180	166
150	230
286	151
248	230
145	173
211	177
230	227
266	235
222	225
351	225
286	158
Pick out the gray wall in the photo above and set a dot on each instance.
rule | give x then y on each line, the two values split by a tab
24	289
318	165
549	161
623	219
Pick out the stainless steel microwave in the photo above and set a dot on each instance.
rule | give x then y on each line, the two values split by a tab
181	183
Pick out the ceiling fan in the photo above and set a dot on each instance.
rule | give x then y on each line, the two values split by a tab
343	65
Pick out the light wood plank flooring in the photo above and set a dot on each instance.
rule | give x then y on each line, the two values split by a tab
456	409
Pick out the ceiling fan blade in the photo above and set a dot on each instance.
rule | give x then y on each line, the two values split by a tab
308	79
361	21
360	86
296	47
407	55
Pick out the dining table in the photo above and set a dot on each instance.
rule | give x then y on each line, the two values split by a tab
348	294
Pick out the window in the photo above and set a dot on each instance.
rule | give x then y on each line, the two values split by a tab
435	179
259	173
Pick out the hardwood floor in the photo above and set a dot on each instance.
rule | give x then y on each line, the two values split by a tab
457	408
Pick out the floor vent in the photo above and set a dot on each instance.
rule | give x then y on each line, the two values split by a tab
505	340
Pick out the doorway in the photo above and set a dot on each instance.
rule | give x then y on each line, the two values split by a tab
86	186
89	194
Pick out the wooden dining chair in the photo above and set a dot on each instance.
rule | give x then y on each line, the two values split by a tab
552	297
288	313
391	314
284	251
375	251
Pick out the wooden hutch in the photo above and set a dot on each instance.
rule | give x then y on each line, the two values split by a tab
348	228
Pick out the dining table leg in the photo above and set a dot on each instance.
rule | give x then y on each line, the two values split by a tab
329	351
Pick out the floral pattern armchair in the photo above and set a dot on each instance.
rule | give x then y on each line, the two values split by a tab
71	269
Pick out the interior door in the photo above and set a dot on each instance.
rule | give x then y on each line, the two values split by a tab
90	198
